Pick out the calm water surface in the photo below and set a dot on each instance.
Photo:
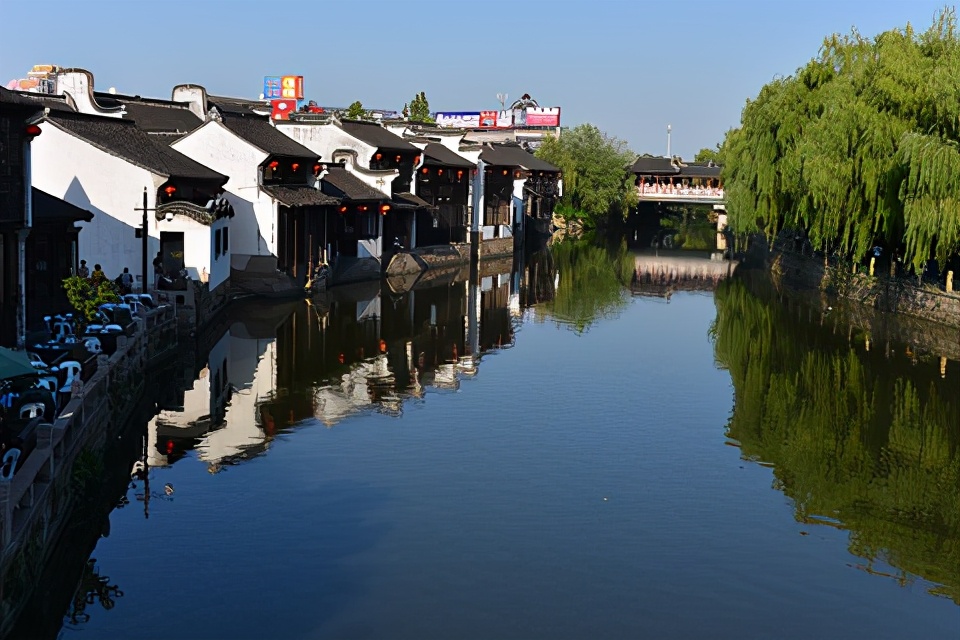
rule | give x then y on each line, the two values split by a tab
708	464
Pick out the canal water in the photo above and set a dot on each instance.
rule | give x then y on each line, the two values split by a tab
557	449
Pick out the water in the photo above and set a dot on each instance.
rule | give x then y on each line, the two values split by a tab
540	457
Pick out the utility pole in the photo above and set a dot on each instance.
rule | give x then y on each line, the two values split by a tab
669	128
144	236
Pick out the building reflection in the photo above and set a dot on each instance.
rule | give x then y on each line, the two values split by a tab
368	347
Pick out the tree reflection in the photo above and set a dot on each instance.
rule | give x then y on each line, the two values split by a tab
591	283
863	440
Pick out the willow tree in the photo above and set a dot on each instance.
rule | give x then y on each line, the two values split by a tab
858	145
595	182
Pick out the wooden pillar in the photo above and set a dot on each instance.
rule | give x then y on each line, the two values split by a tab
873	263
949	281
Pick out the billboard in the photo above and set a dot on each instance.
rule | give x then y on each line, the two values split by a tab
543	116
508	119
283	88
458	119
280	109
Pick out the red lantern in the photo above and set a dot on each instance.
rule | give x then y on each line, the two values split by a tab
384	208
505	172
378	156
170	190
459	175
439	172
363	207
398	158
343	209
425	171
416	159
516	174
295	166
32	131
274	164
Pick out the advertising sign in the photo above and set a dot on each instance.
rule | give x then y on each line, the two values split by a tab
543	116
280	109
285	87
458	119
488	119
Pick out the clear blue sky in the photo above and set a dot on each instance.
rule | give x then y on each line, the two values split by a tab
628	66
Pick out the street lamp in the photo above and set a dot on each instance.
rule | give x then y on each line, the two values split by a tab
669	129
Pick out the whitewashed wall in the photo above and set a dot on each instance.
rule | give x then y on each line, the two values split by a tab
253	228
110	187
324	139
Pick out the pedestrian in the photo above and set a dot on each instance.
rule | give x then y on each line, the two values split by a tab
157	269
98	275
126	281
84	270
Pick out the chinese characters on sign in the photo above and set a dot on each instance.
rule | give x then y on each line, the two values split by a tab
283	87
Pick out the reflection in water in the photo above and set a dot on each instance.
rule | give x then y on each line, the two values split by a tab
93	589
589	281
858	441
864	441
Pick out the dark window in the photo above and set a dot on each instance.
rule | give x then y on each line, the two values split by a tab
226	240
367	224
216	244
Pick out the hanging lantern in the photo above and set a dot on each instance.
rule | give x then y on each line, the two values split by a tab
363	207
170	190
459	175
439	172
274	164
516	175
425	171
343	209
398	158
378	157
295	166
384	208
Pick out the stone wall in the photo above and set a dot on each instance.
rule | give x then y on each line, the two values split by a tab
891	295
496	247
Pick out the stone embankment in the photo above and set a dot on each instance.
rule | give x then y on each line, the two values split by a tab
895	309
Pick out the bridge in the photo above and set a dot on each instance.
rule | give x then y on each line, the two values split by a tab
660	274
662	179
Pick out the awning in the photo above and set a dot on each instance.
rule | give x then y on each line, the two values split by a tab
410	200
47	208
14	364
300	196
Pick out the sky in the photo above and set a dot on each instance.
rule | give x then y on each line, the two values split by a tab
631	67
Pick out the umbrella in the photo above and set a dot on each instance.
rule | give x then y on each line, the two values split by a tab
14	364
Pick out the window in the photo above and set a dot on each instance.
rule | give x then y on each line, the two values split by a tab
216	244
226	240
367	224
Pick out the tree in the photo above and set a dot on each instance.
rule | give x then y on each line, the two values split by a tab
708	155
420	109
356	111
861	144
86	295
595	182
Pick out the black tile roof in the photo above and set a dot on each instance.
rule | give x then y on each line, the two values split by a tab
508	155
157	116
258	131
237	106
376	136
349	186
300	196
124	139
700	170
436	153
41	100
17	100
47	208
410	199
654	165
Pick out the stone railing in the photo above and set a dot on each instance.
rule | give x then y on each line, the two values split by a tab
36	502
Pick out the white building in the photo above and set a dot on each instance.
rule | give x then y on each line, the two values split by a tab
112	168
273	187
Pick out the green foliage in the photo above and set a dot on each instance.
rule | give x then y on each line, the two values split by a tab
594	177
86	295
708	155
419	110
356	111
865	439
859	144
592	281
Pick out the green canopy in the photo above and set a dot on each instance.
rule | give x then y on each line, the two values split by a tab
14	364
